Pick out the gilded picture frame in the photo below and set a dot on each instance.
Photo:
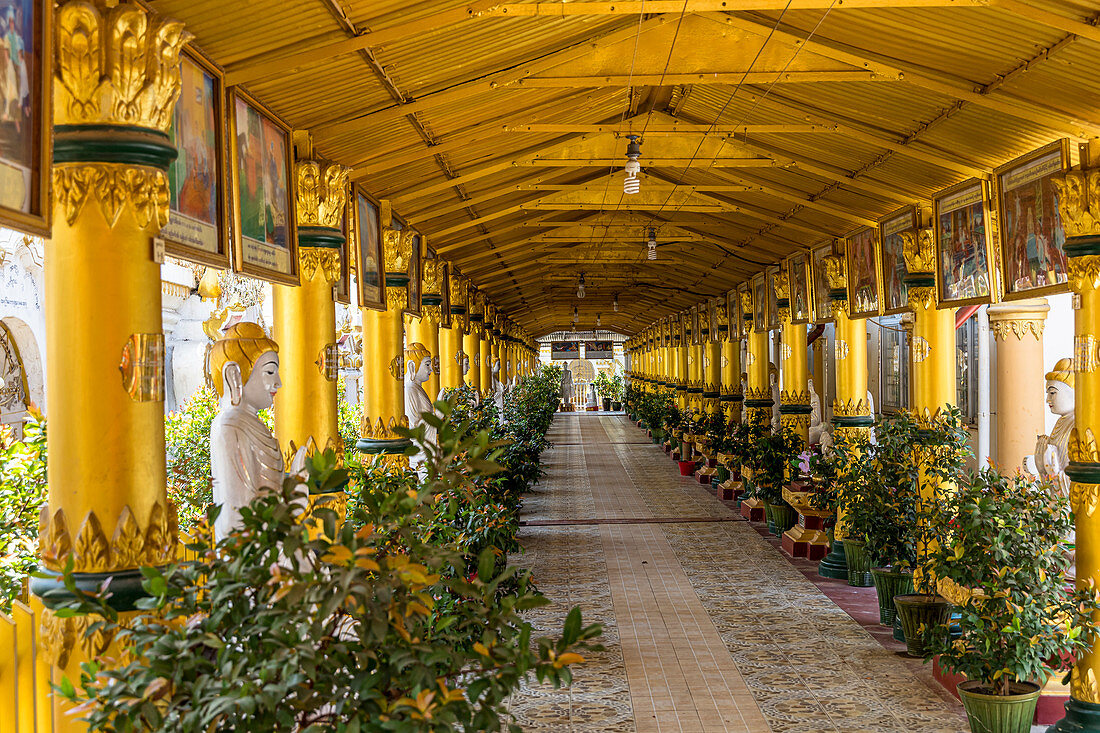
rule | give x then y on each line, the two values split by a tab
198	220
341	291
1030	244
758	285
370	276
445	293
864	292
770	273
415	306
26	165
895	293
733	312
823	310
269	184
712	316
696	326
964	252
799	282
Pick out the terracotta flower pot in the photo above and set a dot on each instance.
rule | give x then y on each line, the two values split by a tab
687	468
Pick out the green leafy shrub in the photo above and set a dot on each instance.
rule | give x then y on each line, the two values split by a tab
349	417
273	630
1005	539
187	445
769	455
22	494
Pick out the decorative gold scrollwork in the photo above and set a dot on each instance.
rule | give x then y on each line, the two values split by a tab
142	367
1079	202
115	186
130	546
319	261
322	193
1019	328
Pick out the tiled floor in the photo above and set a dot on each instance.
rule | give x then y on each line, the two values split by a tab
707	627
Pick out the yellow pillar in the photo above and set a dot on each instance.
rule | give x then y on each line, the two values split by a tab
383	355
107	504
1079	205
485	357
425	328
712	377
794	399
932	349
851	411
1021	409
305	316
730	364
681	342
473	340
451	348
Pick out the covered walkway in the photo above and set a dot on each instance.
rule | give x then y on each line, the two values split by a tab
707	626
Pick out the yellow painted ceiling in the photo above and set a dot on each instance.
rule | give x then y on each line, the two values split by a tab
498	129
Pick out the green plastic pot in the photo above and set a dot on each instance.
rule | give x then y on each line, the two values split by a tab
780	517
859	564
999	713
916	610
889	584
723	473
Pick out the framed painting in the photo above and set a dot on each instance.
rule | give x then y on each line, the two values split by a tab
861	250
733	312
1031	234
264	233
696	326
823	310
798	278
25	116
197	228
745	307
712	316
444	292
964	275
417	256
368	251
773	299
895	293
759	303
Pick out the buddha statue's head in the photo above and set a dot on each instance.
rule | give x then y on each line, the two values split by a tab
1060	390
244	366
418	363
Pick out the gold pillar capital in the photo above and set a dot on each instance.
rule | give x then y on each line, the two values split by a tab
1020	318
919	251
1079	202
322	193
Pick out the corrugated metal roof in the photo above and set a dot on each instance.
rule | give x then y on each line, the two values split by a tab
420	114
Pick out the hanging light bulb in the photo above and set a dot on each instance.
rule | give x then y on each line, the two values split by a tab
631	184
651	254
615	303
597	320
580	287
574	315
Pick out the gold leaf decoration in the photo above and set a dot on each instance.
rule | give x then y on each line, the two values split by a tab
1084	273
1079	202
919	251
1082	684
397	248
322	193
794	398
319	261
397	299
1084	498
116	67
91	546
128	541
922	298
130	545
1019	328
114	185
851	408
836	272
1083	450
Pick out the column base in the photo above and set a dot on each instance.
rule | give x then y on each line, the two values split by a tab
1080	717
364	445
835	564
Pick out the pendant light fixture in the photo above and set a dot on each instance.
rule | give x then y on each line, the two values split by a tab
651	254
631	184
597	320
580	286
615	302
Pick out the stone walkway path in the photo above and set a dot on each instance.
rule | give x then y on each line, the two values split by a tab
707	628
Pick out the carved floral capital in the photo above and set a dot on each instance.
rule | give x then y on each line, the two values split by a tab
322	193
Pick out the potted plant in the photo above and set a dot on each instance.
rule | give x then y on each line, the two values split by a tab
770	454
603	386
1006	541
615	391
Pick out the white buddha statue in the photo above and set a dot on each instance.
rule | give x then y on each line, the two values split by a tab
498	389
591	403
418	368
1052	451
244	456
817	428
773	381
566	388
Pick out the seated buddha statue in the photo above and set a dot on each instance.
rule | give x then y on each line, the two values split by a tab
244	456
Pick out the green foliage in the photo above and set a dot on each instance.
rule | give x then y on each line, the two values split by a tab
273	630
187	444
659	411
886	488
1006	539
22	494
769	454
349	416
610	386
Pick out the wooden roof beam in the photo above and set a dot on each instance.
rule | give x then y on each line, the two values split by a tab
678	129
731	78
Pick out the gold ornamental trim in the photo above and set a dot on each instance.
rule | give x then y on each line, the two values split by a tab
836	272
921	298
130	546
851	408
795	422
431	277
921	349
782	286
323	262
397	249
1082	686
142	367
59	637
1084	498
322	193
762	393
328	362
379	430
1083	450
1084	273
117	187
794	398
839	308
431	313
919	251
1018	327
1079	202
397	299
116	67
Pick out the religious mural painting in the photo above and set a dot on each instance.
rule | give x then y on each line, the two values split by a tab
369	261
565	350
862	253
823	313
712	319
25	121
798	278
773	300
964	274
733	309
445	318
196	229
1031	233
598	350
265	239
895	293
759	304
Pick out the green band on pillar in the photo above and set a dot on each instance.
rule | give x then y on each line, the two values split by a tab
1083	473
854	421
1082	246
112	144
794	409
373	447
124	588
324	237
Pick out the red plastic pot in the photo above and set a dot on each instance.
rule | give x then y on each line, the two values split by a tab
687	468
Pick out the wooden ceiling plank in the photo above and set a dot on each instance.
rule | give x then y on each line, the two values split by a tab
665	129
634	7
732	78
